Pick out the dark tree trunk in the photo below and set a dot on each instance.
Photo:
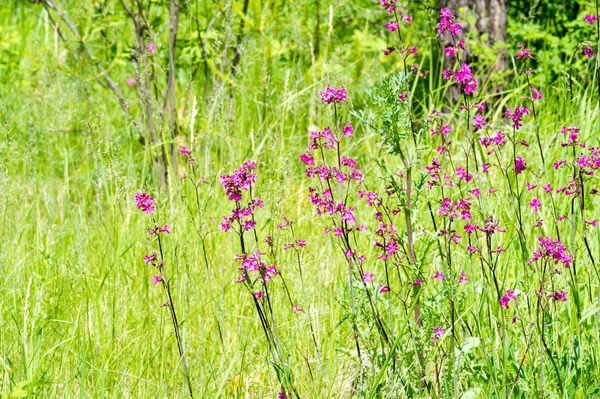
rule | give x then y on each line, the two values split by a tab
491	20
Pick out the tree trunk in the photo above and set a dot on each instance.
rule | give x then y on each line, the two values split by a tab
491	20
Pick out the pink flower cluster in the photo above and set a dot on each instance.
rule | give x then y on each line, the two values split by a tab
438	333
241	180
458	209
243	215
523	52
590	18
517	115
145	203
505	299
447	23
465	77
551	250
254	264
333	95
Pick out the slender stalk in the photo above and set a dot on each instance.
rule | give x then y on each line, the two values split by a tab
167	287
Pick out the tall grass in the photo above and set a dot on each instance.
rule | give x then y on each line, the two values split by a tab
79	315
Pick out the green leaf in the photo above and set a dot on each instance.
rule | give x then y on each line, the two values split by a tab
589	313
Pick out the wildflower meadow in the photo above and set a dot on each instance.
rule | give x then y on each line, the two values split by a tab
299	199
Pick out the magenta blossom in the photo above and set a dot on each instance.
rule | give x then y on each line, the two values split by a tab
447	23
131	82
463	278
520	165
259	295
367	278
438	276
535	204
156	279
505	300
589	53
535	94
151	48
159	229
333	94
145	202
392	26
559	296
465	77
551	249
516	115
348	130
241	180
590	18
438	333
383	289
307	159
523	52
148	259
450	52
479	122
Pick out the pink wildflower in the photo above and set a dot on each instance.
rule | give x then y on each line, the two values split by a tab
517	115
536	94
523	52
535	204
150	258
333	94
392	26
505	300
307	159
559	296
438	333
241	180
520	165
156	279
348	130
145	202
259	295
552	250
383	289
438	276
